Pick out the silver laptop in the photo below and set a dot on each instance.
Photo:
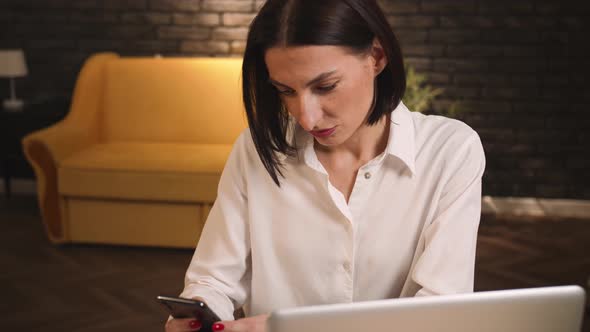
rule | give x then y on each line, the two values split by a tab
545	309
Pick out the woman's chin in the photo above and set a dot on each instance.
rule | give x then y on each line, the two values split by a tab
328	142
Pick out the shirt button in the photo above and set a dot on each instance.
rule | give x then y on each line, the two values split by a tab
346	266
367	175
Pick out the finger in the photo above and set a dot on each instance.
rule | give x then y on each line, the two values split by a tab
256	323
230	326
222	326
183	324
239	325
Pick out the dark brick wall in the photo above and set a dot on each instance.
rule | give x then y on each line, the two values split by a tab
517	68
57	35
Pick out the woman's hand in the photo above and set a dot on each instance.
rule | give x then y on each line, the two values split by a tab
182	325
249	324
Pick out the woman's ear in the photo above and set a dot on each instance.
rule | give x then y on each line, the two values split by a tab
378	56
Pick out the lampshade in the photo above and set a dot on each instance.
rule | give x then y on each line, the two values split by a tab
12	63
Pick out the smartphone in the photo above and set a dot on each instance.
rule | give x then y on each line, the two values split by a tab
179	307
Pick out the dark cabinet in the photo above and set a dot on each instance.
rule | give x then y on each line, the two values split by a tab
16	125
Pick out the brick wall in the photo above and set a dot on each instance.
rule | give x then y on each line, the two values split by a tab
518	68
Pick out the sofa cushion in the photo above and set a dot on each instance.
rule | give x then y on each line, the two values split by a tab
145	171
173	100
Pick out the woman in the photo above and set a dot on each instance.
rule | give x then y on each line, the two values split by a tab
337	193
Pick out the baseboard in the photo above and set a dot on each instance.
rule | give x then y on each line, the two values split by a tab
20	187
533	209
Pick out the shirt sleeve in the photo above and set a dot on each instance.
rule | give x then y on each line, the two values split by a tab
219	271
447	264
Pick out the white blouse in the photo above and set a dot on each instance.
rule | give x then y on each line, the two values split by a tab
409	228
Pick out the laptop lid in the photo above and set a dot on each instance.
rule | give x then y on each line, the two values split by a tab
545	309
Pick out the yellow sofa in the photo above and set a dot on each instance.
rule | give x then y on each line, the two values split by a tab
138	158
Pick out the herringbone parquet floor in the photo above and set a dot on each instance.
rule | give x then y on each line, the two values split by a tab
101	288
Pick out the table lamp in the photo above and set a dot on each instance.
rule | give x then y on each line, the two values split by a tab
12	65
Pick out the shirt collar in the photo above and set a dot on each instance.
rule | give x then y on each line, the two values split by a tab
400	143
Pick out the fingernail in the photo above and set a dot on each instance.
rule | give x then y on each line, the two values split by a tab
218	327
194	324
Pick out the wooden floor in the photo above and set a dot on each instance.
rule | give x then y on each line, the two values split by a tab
102	288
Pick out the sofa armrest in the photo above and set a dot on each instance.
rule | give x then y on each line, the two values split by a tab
44	150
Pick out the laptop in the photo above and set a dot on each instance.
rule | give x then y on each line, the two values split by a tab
545	309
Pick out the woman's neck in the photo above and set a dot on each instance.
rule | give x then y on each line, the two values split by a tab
365	144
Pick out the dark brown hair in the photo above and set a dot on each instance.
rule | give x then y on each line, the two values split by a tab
349	23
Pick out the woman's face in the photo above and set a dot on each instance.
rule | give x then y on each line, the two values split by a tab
327	89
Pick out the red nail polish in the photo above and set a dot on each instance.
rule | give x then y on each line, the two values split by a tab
194	324
218	327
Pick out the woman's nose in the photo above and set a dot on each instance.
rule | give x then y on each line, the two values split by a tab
307	112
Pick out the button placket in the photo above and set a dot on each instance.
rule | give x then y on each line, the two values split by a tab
342	268
348	266
361	186
360	182
348	280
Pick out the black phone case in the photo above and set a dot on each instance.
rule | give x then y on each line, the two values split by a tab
196	309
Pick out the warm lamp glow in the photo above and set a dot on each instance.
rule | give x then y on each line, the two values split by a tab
12	64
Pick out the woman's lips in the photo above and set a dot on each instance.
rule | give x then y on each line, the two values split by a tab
323	132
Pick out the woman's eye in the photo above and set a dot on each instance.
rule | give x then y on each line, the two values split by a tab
284	92
326	88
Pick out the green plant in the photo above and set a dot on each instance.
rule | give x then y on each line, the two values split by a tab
419	95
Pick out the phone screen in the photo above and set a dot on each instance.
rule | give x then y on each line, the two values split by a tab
187	308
